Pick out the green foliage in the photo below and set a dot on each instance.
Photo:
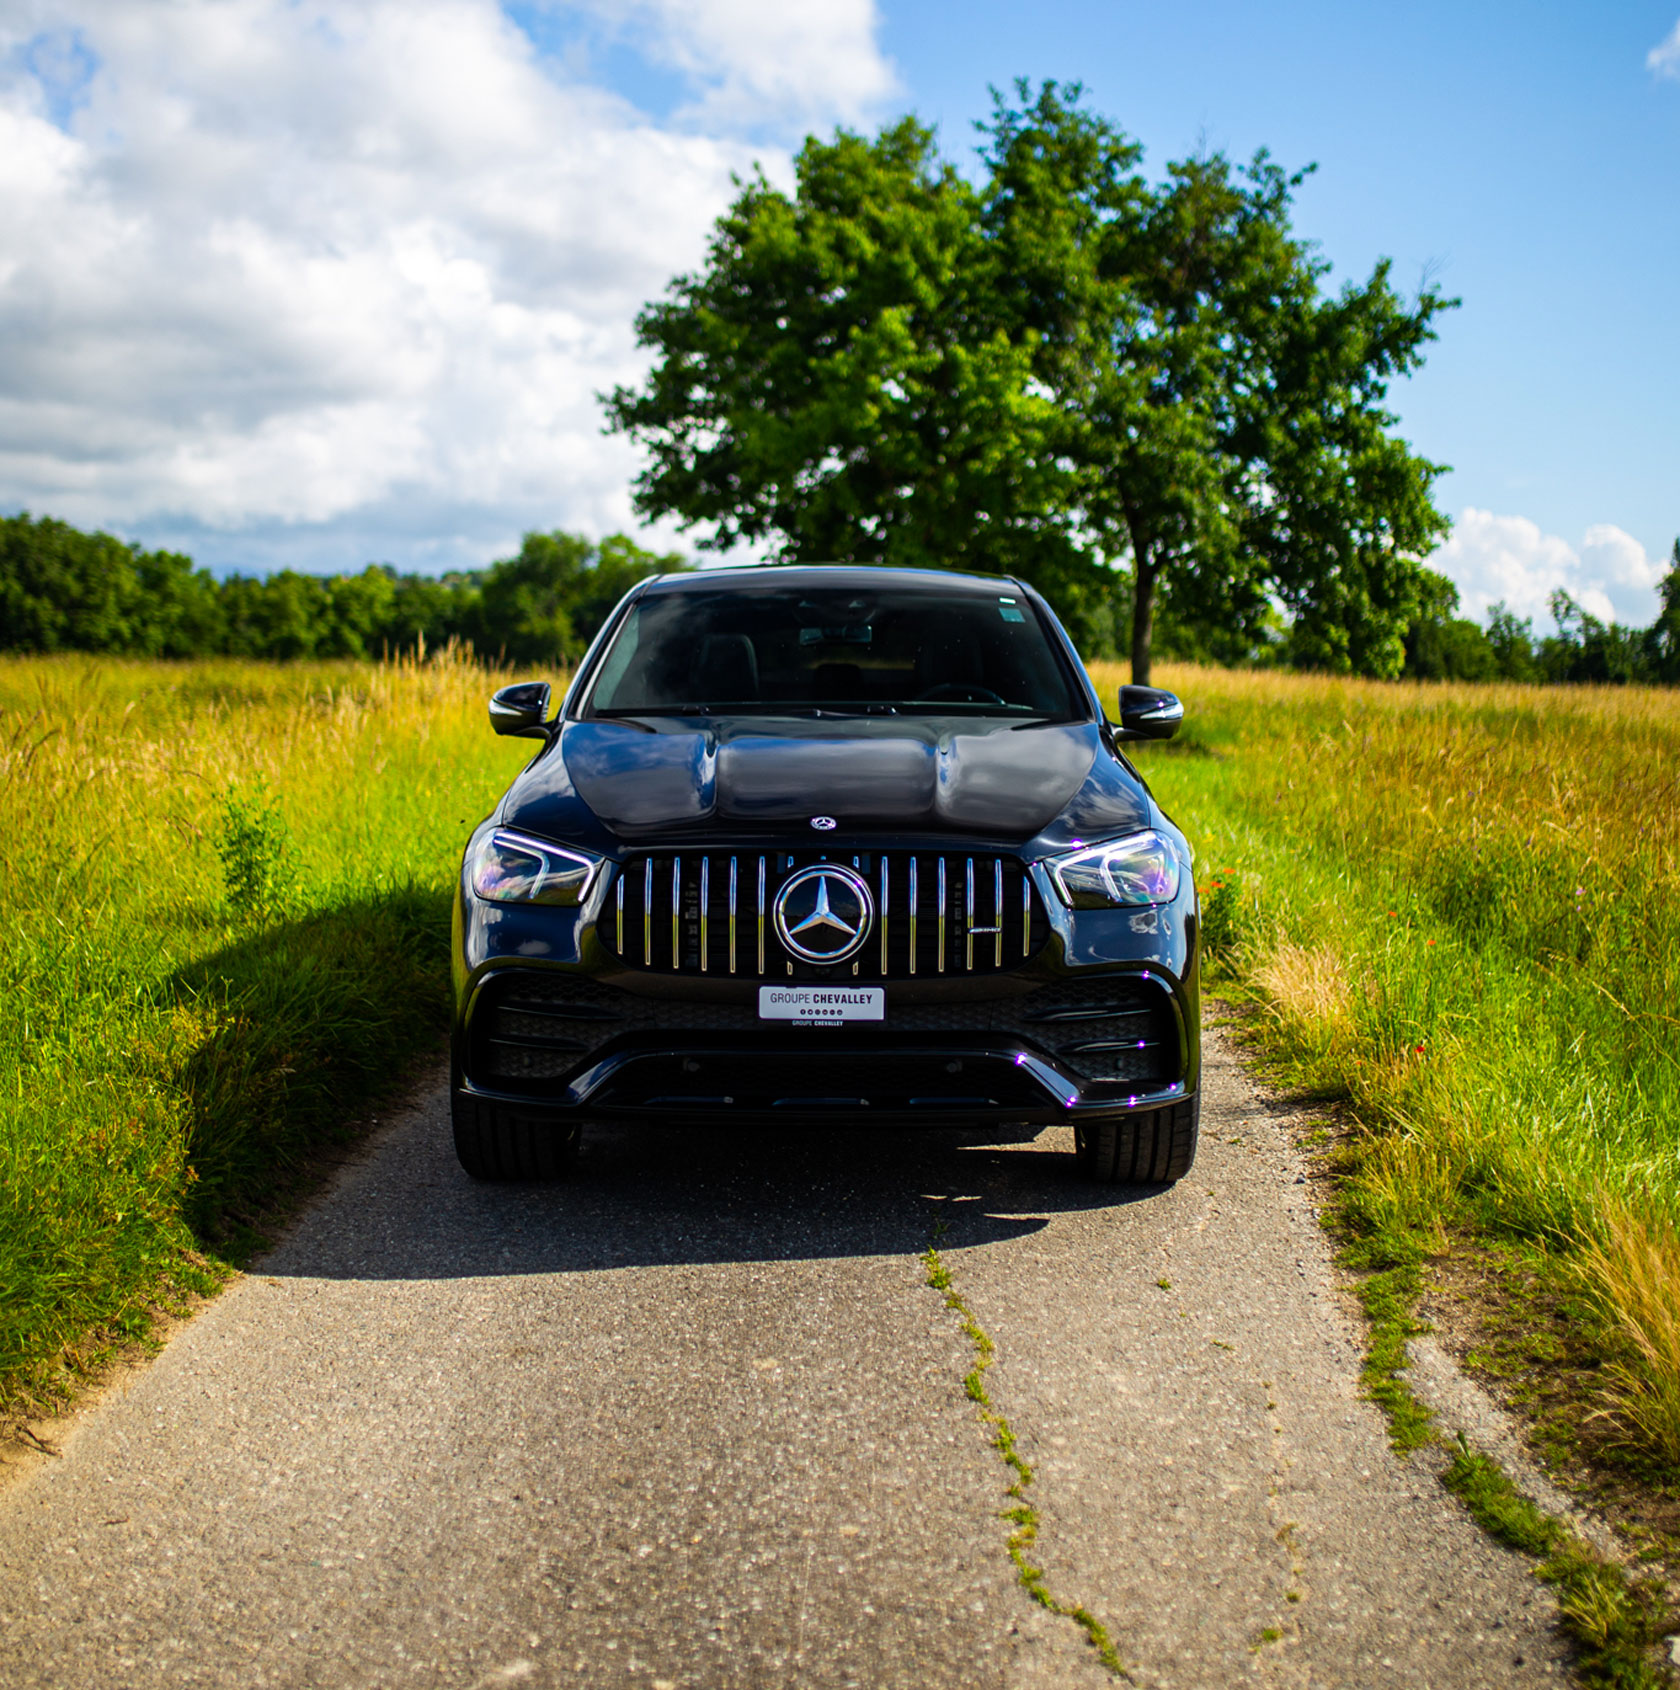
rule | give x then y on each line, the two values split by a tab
547	603
259	860
1115	389
1512	644
1615	1622
62	590
1585	649
834	380
1226	921
1442	647
1498	1506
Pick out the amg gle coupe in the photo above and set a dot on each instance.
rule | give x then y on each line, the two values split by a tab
813	845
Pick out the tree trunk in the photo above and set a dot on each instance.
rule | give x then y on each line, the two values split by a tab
1143	614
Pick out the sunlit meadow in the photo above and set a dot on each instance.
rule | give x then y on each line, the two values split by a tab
1460	909
224	906
173	1057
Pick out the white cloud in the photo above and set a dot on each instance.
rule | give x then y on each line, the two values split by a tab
314	281
1492	558
760	58
1664	58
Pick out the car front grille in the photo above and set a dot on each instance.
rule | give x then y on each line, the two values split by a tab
934	914
535	1027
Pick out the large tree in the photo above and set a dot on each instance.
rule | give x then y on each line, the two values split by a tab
1066	372
838	381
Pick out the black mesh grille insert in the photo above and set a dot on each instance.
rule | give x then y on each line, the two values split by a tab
1119	1028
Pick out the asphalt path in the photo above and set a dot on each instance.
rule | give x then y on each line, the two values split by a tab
697	1420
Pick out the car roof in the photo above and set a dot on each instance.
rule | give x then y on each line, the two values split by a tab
829	576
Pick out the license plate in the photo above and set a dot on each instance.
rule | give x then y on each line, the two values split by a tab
824	1004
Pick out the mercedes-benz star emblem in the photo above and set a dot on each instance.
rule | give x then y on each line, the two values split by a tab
824	912
824	824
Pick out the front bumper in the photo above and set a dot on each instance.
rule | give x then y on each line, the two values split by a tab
1046	1050
1102	1020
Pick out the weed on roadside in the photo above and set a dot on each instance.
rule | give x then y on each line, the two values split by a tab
1616	1622
259	860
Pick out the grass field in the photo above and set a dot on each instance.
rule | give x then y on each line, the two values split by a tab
223	928
1459	908
172	1057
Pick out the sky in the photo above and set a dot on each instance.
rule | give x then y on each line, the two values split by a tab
313	283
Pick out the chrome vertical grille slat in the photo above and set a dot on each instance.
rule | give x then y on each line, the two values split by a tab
997	910
647	916
940	952
886	904
913	913
732	868
676	914
968	915
914	942
705	899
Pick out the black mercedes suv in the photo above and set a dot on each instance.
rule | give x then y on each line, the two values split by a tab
817	843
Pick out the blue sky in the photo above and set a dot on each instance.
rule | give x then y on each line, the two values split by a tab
284	281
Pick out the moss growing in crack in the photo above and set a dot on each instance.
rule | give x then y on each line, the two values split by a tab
1021	1515
1389	1296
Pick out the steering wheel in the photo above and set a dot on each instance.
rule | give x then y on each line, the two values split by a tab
961	692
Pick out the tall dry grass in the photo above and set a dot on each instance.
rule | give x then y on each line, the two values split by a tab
1632	1271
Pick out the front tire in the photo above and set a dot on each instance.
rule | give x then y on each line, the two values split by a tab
1155	1147
496	1143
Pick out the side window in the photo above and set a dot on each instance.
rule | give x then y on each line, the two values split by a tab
619	659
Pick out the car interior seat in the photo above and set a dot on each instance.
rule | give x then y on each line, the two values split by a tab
726	670
839	683
950	657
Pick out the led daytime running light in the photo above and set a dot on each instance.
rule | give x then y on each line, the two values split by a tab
509	868
1141	869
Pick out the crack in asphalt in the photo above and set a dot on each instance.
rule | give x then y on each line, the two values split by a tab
1022	1515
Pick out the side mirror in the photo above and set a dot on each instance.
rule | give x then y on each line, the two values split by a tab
1149	713
521	711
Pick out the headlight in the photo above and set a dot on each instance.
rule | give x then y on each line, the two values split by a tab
1142	869
508	868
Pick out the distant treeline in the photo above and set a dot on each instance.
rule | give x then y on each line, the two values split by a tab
63	590
1440	646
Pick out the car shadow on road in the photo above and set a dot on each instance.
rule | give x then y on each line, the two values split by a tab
664	1195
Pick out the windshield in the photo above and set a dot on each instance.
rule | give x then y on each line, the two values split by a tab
797	650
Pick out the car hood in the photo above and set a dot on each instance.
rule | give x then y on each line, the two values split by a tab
912	777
